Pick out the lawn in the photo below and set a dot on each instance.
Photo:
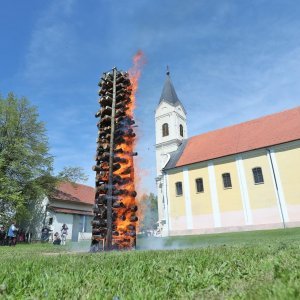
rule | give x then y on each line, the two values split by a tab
251	265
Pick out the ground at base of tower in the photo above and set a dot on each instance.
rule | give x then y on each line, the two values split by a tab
251	265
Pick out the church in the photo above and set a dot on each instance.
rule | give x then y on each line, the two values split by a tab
241	177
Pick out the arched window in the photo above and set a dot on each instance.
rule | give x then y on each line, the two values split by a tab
258	175
165	129
181	130
226	180
199	185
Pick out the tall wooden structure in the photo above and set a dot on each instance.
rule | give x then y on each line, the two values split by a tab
115	206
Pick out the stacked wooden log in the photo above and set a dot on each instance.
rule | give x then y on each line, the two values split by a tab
115	207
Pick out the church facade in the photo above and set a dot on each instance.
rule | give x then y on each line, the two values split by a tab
241	177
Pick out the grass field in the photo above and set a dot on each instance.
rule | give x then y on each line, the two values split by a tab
248	265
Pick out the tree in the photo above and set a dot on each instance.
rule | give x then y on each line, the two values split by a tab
10	196
26	166
24	153
72	174
148	212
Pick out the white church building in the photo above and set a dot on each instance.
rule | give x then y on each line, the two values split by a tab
241	177
171	130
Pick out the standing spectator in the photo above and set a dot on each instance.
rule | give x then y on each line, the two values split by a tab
64	233
2	235
12	234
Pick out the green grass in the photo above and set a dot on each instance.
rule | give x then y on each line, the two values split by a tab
249	265
233	238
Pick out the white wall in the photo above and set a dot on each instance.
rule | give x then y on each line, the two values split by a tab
68	218
60	218
174	116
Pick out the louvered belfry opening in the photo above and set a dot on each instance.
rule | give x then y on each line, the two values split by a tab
114	222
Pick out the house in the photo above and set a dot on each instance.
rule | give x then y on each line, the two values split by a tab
241	177
71	204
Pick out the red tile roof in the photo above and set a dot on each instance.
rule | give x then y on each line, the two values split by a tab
75	192
259	133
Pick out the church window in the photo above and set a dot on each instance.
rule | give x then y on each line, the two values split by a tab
199	185
258	175
165	129
178	188
226	180
181	130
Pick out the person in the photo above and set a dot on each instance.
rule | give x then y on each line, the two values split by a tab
57	239
45	234
2	235
64	233
12	234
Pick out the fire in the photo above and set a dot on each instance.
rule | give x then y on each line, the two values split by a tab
115	205
127	148
134	74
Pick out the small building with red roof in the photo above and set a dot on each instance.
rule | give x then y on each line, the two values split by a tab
241	177
71	204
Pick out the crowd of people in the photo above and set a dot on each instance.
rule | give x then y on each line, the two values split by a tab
58	239
11	235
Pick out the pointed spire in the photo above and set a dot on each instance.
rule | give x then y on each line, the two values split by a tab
168	93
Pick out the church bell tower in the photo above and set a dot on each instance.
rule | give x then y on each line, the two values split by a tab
170	129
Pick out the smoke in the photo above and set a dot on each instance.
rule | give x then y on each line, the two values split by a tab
147	213
167	243
79	247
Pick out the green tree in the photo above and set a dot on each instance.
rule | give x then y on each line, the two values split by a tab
25	157
72	174
10	196
26	166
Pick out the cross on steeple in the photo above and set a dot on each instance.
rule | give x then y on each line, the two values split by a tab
168	70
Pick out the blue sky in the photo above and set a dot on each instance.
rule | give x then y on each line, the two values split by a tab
230	61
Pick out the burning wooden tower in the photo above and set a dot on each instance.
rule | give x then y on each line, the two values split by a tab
114	221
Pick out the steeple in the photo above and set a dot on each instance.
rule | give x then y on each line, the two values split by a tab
170	123
168	93
170	132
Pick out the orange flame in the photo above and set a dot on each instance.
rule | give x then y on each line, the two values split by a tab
135	73
128	147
